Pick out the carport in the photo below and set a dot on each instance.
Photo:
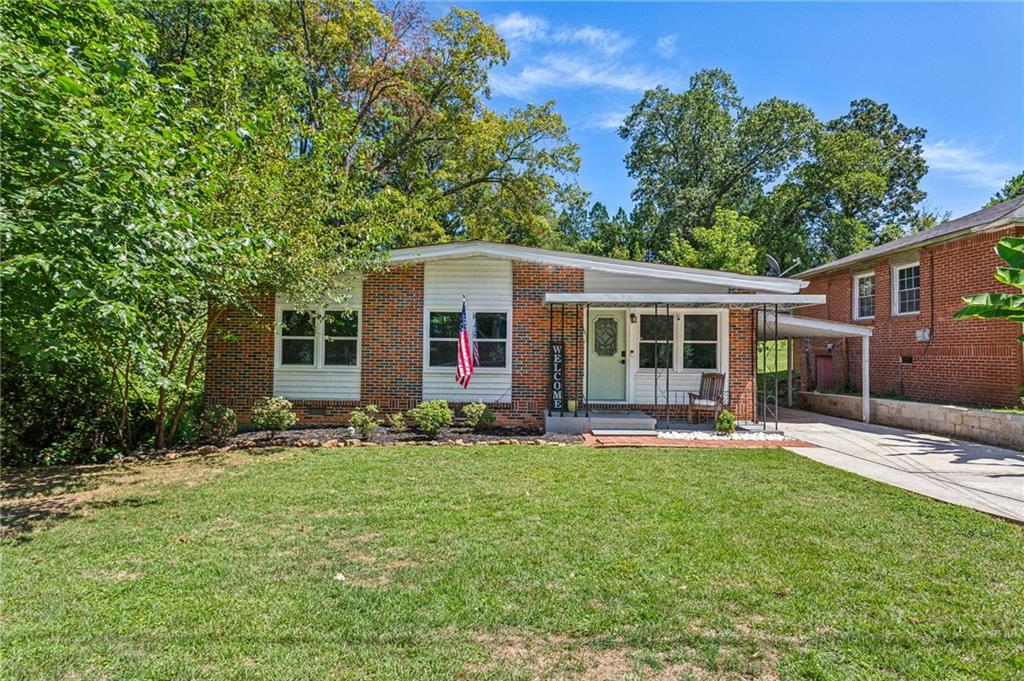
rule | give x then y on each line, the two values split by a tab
774	326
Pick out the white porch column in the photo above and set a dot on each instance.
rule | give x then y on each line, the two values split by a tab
789	372
865	378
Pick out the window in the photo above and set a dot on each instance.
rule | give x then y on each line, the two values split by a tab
321	338
907	284
656	341
700	341
864	296
298	337
491	339
341	338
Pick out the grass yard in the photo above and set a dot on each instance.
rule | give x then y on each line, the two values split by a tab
502	562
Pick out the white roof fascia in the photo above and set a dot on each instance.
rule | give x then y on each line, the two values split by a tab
457	249
809	327
709	299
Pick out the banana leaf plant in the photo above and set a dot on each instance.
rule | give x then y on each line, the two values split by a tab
1009	306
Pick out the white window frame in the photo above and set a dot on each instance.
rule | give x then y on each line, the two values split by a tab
319	337
896	269
856	295
507	369
679	340
676	316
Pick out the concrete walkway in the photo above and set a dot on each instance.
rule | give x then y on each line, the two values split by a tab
982	477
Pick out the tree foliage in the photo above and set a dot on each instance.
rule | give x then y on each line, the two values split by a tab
1013	188
167	158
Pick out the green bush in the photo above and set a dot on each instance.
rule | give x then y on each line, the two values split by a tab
397	421
726	422
430	417
217	423
479	416
273	414
365	421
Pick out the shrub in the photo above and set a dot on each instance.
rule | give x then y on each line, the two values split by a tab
365	421
726	422
273	414
430	417
397	421
217	423
479	416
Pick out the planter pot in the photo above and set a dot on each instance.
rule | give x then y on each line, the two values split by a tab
571	405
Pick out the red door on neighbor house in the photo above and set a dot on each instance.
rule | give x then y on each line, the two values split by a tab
824	379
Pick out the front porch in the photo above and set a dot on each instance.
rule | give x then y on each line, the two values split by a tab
633	361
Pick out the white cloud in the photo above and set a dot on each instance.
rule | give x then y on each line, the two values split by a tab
563	70
610	120
969	165
666	45
518	26
604	40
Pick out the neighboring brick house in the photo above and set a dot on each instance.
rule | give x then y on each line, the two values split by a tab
908	290
391	340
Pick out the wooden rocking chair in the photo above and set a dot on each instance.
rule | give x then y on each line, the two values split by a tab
710	397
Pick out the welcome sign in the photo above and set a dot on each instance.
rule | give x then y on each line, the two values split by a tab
558	376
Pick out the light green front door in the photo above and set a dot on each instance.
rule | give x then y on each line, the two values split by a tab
606	356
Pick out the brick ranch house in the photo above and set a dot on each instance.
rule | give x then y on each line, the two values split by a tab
907	291
633	337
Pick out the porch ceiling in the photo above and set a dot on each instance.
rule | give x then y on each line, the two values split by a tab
784	301
807	327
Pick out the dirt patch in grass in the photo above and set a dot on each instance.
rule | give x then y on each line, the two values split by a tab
561	657
31	497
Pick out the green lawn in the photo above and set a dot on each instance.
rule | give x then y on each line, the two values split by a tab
504	562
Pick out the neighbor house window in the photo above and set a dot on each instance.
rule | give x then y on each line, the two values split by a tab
907	283
298	337
656	341
700	341
491	339
341	338
320	338
864	296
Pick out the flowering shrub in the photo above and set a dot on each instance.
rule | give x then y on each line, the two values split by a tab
273	414
430	417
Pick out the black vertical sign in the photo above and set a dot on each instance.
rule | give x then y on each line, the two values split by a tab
558	376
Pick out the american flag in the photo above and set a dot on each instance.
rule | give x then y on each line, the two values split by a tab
467	355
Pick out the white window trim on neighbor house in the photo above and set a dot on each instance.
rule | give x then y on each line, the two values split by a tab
856	295
507	369
895	293
319	337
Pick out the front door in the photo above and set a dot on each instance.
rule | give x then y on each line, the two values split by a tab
606	356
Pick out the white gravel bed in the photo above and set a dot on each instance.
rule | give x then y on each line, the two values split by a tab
710	434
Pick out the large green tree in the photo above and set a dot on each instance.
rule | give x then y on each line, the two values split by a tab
1013	188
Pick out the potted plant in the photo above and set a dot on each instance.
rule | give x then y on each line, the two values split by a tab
726	423
571	404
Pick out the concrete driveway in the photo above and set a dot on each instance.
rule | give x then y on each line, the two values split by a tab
985	478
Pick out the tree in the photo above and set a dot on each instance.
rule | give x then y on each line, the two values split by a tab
702	149
1008	306
727	244
1013	188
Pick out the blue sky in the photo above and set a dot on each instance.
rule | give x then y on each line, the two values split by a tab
955	69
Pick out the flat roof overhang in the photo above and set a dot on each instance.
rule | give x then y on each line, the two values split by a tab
808	327
784	301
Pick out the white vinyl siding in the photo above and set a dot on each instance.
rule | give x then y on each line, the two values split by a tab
606	282
319	381
487	284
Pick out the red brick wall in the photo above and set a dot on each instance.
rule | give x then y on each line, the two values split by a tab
240	356
741	363
530	339
392	355
971	361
